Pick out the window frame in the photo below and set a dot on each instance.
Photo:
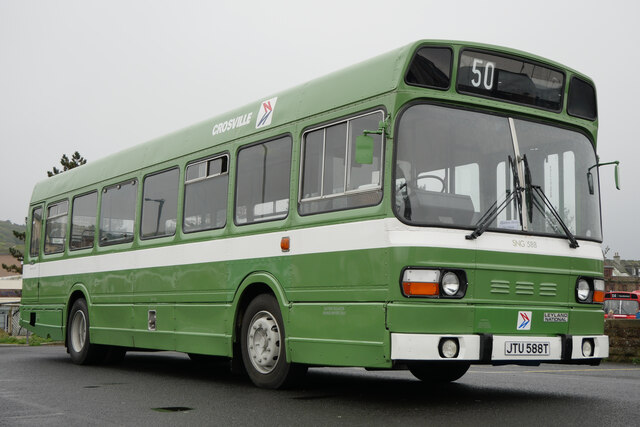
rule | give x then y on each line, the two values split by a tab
345	193
101	204
46	225
144	179
39	238
224	154
73	199
235	182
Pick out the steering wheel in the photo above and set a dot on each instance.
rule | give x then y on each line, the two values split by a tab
437	178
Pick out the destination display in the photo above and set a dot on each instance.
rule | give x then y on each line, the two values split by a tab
621	296
510	79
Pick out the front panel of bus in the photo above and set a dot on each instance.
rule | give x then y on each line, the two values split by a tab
497	251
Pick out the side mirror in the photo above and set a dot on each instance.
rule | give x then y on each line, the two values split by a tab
597	165
364	149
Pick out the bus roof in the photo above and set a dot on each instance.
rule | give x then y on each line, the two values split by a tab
362	81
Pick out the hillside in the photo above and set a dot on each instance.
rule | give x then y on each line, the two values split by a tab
7	239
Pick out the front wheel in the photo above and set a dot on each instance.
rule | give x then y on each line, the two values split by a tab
79	345
262	345
444	372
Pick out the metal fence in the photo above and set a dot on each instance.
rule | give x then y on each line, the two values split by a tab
10	320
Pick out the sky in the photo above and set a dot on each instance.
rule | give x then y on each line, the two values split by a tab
100	76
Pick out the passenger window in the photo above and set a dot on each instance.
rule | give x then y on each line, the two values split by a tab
56	227
160	204
206	189
36	231
332	179
262	181
83	221
117	213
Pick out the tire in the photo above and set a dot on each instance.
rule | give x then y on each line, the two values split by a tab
262	345
79	345
445	372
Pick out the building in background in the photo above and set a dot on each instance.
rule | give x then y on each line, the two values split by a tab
10	295
621	275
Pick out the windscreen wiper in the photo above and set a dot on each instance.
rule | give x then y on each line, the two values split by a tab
494	210
530	192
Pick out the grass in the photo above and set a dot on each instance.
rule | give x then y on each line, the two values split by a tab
5	338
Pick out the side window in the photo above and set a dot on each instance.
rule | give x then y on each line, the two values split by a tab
263	178
430	67
36	231
332	178
83	221
117	213
582	99
206	188
56	227
160	204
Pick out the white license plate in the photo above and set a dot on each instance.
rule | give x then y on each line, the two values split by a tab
524	348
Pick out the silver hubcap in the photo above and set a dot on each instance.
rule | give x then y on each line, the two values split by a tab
263	342
78	331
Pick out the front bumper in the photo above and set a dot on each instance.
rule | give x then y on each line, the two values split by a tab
487	348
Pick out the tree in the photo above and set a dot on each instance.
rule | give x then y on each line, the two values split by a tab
17	254
76	160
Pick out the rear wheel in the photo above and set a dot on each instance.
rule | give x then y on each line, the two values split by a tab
262	344
438	372
79	345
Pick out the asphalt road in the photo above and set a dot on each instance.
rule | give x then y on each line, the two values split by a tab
40	386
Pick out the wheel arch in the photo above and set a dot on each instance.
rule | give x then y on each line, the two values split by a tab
256	283
77	291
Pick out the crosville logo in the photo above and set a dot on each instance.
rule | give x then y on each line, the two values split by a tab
227	125
265	114
524	321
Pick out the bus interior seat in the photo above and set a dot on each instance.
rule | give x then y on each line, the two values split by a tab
444	208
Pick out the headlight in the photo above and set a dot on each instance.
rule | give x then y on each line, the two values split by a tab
583	290
450	283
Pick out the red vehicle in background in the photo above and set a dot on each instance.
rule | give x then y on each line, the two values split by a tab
622	305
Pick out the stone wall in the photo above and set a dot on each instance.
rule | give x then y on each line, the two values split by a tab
624	340
618	283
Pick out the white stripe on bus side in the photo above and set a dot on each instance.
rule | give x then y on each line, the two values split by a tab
362	235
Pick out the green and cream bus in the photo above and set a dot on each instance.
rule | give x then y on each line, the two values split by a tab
431	208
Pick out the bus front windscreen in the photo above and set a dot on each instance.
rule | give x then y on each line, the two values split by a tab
621	307
453	166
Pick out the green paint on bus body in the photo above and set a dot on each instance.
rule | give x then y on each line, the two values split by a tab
196	313
339	307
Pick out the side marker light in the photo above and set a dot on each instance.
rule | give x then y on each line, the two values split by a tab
285	244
